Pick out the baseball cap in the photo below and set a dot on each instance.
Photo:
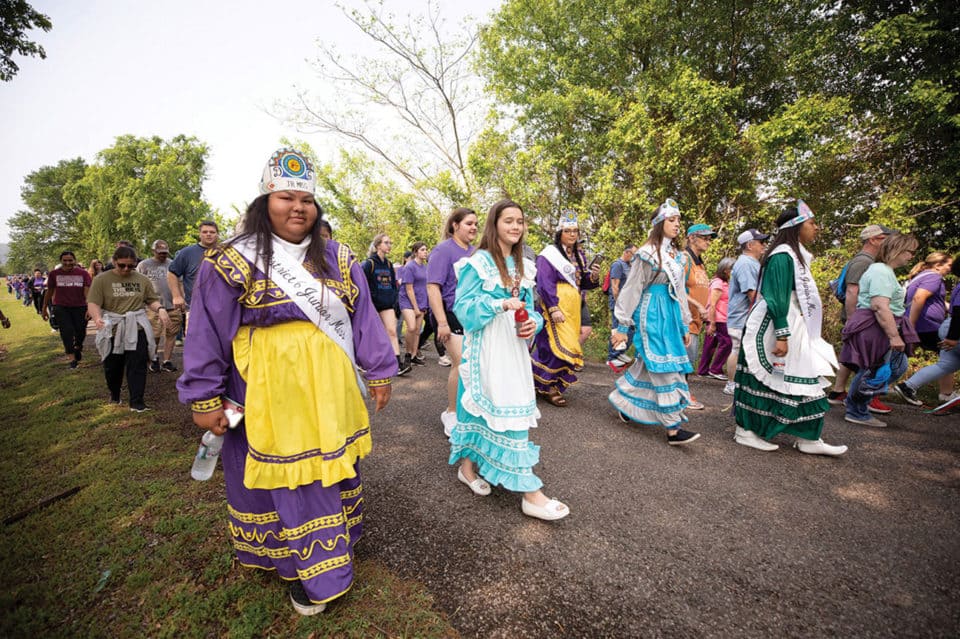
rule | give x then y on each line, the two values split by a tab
751	234
702	229
873	230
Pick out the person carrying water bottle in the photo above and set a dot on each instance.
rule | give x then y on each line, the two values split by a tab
281	319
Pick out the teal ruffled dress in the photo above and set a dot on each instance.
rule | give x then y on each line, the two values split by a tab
502	457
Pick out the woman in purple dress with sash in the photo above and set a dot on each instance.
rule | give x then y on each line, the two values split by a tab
562	279
280	322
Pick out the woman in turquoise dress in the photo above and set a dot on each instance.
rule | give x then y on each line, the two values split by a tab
654	389
496	402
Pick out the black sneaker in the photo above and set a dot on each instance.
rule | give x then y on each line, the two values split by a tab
74	363
168	366
301	602
418	359
682	438
404	364
139	408
908	394
836	398
154	366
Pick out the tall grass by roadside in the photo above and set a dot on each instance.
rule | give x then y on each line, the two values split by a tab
139	549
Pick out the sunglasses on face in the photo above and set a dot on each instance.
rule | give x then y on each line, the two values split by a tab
124	267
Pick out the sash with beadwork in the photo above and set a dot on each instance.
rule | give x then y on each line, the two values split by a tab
564	338
809	357
321	305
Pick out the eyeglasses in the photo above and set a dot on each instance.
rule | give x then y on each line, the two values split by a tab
124	267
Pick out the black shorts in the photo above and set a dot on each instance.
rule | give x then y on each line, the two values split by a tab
585	319
455	326
930	341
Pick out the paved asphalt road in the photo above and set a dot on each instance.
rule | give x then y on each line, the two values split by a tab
711	540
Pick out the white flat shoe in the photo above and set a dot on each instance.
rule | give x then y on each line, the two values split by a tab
750	439
818	447
449	419
550	511
478	486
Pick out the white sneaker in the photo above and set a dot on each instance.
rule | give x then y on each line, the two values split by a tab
445	360
948	398
625	359
818	447
729	388
449	419
750	439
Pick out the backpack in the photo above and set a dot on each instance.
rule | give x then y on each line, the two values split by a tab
605	287
839	285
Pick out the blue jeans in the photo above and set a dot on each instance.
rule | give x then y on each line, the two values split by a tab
611	351
858	398
948	364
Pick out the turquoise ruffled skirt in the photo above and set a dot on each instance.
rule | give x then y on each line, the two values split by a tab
502	458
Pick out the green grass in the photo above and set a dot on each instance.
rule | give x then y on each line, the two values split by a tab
141	549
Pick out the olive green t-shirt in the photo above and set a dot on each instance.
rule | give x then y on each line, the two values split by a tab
117	294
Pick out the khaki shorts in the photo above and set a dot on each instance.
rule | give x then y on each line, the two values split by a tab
176	321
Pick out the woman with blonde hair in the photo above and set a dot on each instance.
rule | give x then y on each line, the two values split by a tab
878	336
384	291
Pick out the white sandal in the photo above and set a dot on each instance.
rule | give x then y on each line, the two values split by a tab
478	486
550	511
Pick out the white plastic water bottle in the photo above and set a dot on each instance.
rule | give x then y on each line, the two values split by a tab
206	460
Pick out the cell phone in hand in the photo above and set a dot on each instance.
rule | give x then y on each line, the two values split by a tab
596	260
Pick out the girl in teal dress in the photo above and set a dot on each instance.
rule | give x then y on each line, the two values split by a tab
496	403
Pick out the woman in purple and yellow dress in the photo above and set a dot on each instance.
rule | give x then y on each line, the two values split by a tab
281	320
562	278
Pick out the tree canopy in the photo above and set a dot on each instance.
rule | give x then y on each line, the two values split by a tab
139	189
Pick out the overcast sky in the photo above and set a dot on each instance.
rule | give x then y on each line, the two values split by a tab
196	67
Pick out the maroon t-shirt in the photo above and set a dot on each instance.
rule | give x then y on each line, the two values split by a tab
68	287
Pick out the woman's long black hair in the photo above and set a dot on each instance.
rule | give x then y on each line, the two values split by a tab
563	251
256	224
789	236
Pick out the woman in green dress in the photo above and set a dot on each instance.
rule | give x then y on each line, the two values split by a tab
783	359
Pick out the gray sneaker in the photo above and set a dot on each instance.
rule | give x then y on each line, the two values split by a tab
872	421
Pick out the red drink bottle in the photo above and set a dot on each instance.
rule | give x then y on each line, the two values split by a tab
520	317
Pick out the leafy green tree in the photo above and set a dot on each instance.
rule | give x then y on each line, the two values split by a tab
360	201
141	189
16	18
49	224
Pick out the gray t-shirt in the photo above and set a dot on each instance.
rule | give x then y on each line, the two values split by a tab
859	264
743	278
156	272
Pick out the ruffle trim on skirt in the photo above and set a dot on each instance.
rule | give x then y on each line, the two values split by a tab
767	413
504	459
310	466
646	400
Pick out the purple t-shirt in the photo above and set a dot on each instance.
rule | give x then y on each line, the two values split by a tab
934	308
415	274
440	268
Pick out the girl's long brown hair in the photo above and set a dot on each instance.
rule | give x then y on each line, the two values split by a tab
489	241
